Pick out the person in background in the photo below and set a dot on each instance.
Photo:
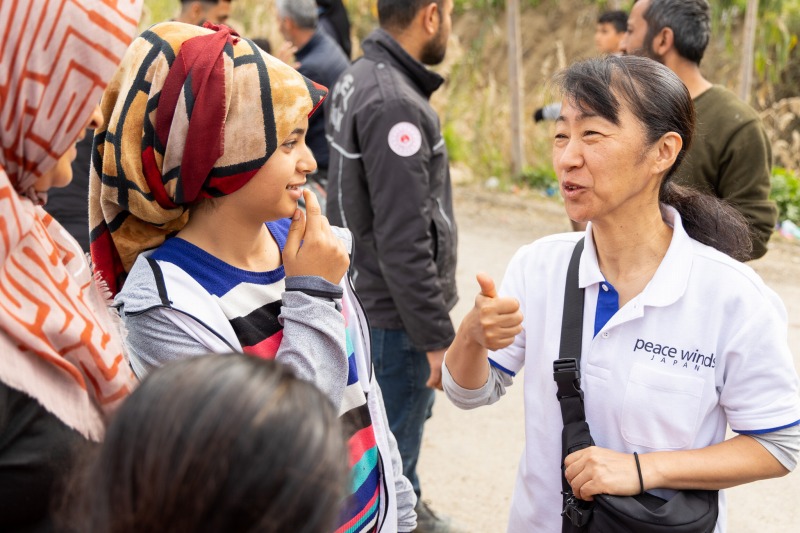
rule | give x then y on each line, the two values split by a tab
318	58
70	205
216	443
609	32
199	11
389	183
680	339
732	156
334	21
608	35
190	210
62	367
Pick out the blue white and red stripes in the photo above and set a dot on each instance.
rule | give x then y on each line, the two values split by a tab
362	507
250	300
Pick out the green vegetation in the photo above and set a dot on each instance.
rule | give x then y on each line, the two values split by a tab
461	6
776	38
786	193
542	178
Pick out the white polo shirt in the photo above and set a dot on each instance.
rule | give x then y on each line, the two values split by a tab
703	346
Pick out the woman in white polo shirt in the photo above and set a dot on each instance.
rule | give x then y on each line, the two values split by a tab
680	340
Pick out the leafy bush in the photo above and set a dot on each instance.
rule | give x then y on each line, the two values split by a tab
786	193
542	178
457	147
460	6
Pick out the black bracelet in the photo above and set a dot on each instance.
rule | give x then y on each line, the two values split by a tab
639	471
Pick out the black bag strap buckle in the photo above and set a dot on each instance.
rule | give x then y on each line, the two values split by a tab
575	510
568	378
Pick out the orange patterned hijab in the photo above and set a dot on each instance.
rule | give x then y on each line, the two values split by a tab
192	113
57	341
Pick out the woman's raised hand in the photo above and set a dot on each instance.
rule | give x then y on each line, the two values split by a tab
311	247
495	320
491	324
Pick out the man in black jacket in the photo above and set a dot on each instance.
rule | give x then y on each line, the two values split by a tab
389	183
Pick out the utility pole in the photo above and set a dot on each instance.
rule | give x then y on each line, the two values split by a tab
515	86
749	38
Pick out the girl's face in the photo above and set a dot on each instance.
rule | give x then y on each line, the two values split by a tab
61	174
273	192
605	171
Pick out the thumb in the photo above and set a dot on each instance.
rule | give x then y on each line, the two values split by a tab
297	231
487	285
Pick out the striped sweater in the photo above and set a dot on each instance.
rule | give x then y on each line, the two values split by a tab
251	301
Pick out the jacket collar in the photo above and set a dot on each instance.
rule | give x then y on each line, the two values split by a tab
380	46
312	43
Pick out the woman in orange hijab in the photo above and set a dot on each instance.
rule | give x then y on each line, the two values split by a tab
61	364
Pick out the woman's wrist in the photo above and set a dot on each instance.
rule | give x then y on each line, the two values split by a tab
652	470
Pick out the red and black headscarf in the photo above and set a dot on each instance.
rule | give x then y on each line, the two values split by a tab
192	113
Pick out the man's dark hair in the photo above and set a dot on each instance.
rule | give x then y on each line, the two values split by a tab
619	19
689	20
398	14
661	103
218	443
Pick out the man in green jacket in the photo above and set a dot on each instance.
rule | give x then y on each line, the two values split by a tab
731	156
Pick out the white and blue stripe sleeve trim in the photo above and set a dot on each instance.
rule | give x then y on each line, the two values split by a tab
498	366
763	431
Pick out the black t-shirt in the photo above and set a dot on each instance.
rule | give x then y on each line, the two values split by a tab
70	205
37	451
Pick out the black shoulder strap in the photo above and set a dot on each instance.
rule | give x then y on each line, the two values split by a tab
566	369
572	317
566	372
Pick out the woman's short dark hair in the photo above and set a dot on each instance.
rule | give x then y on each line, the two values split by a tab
219	443
661	103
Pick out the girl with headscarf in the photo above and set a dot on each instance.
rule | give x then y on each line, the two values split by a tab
196	174
62	368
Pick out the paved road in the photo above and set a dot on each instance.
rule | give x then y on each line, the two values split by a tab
469	458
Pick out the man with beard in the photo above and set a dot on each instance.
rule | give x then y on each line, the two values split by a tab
731	156
389	183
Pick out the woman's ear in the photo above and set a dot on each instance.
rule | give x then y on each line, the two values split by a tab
668	147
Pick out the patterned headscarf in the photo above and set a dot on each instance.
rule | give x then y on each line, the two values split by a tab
192	113
57	341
